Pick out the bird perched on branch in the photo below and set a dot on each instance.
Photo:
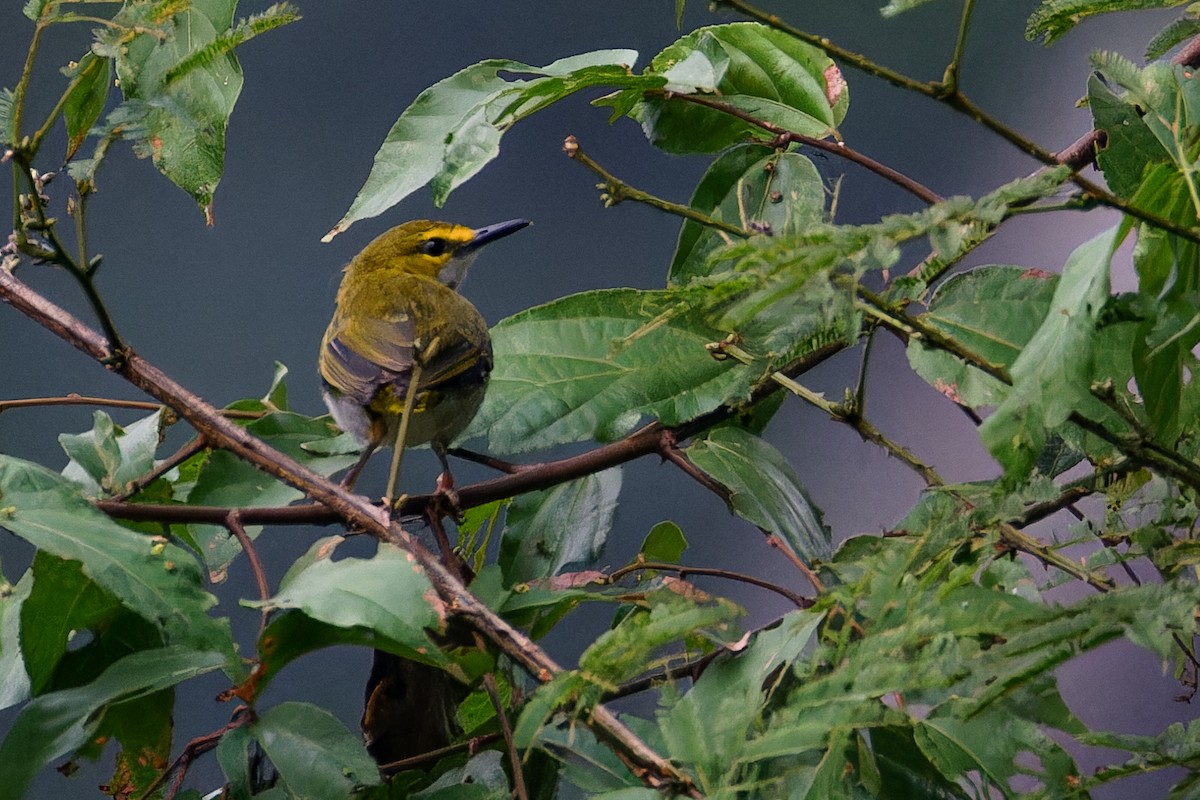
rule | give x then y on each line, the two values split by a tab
406	357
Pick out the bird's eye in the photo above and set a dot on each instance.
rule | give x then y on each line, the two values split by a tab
434	246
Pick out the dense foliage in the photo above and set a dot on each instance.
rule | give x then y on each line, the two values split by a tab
918	664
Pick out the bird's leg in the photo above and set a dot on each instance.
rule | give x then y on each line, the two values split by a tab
410	397
445	483
378	431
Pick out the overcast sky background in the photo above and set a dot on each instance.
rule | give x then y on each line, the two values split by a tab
215	308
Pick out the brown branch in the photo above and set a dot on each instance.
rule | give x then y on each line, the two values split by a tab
196	747
654	770
433	756
783	136
112	402
171	462
712	572
670	452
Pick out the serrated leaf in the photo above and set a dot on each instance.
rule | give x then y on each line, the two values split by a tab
992	311
314	753
546	531
759	70
55	724
7	134
1052	376
1054	18
1176	32
453	128
180	123
388	594
85	99
764	489
157	580
1129	145
708	727
752	188
674	612
592	364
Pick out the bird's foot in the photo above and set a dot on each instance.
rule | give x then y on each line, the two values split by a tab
447	498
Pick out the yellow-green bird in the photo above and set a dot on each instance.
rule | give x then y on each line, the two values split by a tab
406	358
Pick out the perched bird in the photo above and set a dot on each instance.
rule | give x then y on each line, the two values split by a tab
405	359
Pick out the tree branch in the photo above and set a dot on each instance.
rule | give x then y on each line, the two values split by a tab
654	770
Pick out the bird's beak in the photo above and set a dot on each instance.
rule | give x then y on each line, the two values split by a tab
491	233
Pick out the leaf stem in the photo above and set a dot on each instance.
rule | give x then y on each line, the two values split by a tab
950	78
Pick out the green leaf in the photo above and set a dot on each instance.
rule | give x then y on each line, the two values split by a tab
157	580
709	726
761	71
1176	32
63	601
664	543
1052	376
1129	145
592	364
314	753
568	524
293	634
85	99
992	311
764	489
233	754
755	189
228	481
7	134
57	723
453	128
1055	17
106	458
180	123
896	7
481	778
677	610
387	594
14	679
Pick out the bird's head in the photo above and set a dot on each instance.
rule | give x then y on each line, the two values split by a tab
440	250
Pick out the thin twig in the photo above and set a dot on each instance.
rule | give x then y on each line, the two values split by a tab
617	190
434	756
514	757
196	747
783	137
233	523
112	402
712	572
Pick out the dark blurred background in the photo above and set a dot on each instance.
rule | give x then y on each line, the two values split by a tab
216	307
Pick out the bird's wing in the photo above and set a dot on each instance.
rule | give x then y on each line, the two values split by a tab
360	355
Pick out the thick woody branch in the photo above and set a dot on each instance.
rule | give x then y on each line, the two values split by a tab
354	510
